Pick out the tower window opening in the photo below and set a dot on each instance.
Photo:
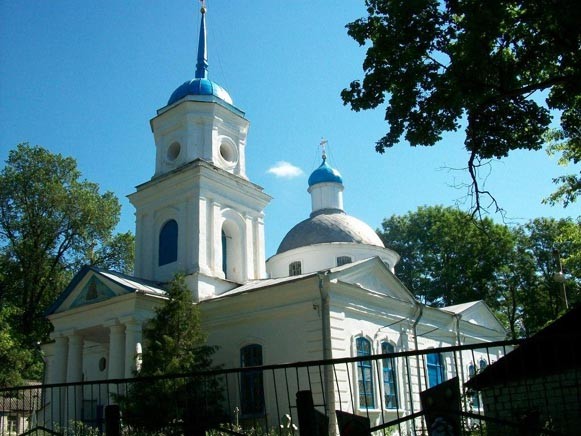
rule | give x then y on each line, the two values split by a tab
173	151
295	268
227	153
168	243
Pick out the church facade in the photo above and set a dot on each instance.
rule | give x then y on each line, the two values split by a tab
329	292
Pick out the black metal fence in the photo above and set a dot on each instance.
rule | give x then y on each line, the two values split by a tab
393	393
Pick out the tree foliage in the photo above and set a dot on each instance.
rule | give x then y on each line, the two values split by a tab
569	185
51	223
175	344
18	363
480	64
447	259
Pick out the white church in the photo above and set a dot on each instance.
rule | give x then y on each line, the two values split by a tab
330	291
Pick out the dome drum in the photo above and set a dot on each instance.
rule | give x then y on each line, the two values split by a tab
319	257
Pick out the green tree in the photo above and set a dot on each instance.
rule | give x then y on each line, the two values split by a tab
482	65
167	390
446	258
548	242
569	185
18	363
51	223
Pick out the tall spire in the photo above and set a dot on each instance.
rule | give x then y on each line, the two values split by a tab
202	64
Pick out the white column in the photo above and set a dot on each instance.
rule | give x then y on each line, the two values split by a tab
74	374
59	366
138	266
59	375
249	247
260	248
202	248
215	240
116	351
188	238
75	359
132	338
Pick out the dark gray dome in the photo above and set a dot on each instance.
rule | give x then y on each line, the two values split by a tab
329	226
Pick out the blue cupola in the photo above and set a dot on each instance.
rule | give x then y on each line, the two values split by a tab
200	85
325	174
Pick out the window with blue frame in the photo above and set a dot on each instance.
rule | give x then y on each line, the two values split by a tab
251	382
483	364
365	375
168	243
389	377
436	369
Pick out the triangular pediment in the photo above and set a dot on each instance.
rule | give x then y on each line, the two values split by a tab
476	312
89	286
93	285
373	275
93	291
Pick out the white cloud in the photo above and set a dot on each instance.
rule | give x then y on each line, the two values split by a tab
285	170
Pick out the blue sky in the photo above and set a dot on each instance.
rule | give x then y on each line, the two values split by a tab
83	78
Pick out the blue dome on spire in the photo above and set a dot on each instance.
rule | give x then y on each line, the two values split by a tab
200	85
325	174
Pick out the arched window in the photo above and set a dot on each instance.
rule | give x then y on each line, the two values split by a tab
233	257
168	243
295	268
436	369
251	382
365	375
389	377
344	260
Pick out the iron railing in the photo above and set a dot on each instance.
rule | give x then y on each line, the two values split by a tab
382	389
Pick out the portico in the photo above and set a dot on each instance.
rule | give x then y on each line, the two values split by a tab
98	340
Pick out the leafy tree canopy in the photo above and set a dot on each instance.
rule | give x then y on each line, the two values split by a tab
18	363
51	223
569	185
482	64
447	259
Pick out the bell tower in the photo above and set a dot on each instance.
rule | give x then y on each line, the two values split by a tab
199	214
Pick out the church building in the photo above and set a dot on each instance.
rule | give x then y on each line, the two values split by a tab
330	291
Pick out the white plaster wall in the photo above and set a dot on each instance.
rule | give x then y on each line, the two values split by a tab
288	332
326	196
201	198
200	127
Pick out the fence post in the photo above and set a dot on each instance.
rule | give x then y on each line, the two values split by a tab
112	420
311	421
